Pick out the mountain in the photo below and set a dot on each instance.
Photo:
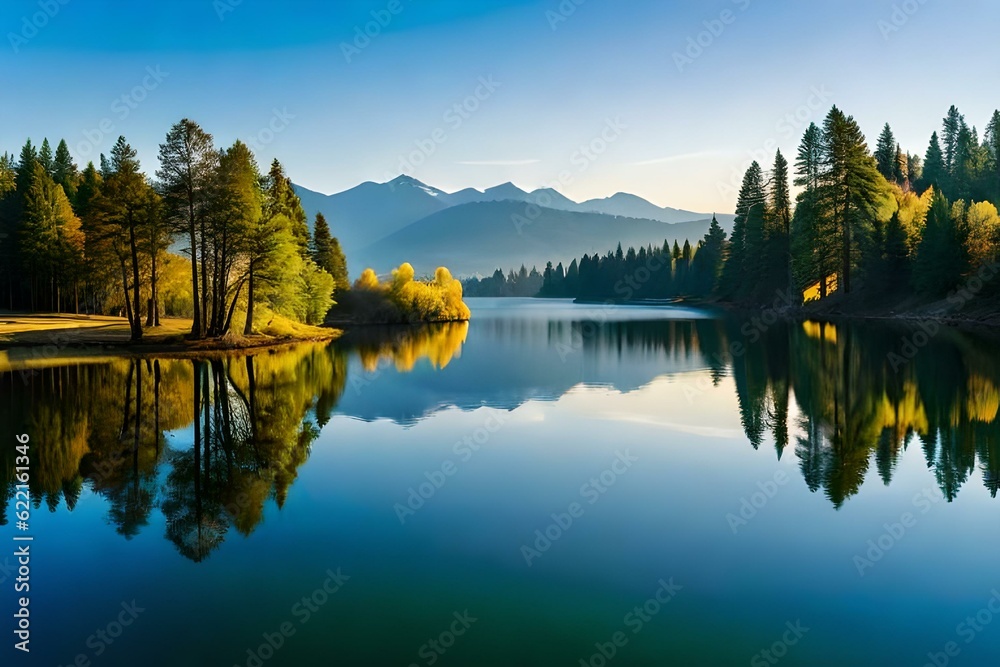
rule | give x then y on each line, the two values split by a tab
481	236
370	213
635	207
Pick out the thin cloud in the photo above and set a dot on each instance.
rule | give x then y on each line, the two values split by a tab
677	158
499	163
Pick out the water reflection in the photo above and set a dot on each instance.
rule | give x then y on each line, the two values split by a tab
208	443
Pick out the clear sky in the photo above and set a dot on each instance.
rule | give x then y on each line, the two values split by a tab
294	79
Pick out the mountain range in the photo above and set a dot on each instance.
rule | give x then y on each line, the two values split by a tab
474	232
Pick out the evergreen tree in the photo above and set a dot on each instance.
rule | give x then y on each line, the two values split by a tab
64	170
885	153
283	201
45	158
708	261
939	261
328	255
777	234
187	171
51	238
813	239
935	171
953	123
26	168
852	180
8	174
123	209
992	167
897	269
743	268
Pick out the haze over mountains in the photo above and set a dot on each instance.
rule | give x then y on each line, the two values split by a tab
472	232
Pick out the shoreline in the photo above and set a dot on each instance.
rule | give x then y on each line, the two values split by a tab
37	340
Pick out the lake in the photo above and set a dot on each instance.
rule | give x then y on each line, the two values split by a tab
550	484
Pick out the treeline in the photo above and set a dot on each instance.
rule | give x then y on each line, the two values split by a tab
98	241
651	273
524	283
881	225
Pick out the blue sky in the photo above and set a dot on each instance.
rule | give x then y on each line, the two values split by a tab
536	82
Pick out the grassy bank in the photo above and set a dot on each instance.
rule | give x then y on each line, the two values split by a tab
35	341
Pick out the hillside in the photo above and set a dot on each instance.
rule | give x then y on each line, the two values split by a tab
479	237
367	214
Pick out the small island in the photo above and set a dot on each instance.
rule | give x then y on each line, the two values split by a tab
401	300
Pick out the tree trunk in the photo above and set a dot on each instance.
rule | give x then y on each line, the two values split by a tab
136	322
128	305
156	404
196	325
138	404
232	308
204	283
248	329
846	269
153	316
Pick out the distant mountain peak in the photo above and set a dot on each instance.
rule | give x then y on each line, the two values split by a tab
410	182
505	188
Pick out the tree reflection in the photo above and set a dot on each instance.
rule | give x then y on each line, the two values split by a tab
865	393
240	428
210	443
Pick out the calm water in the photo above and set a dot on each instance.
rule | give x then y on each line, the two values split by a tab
547	484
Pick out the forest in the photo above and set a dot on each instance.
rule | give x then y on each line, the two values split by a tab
209	237
872	229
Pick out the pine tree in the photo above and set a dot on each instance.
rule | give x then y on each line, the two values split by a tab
187	168
123	210
935	172
897	270
885	153
852	179
953	123
813	238
938	264
26	168
992	168
743	268
51	237
778	230
45	158
708	261
64	171
328	255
